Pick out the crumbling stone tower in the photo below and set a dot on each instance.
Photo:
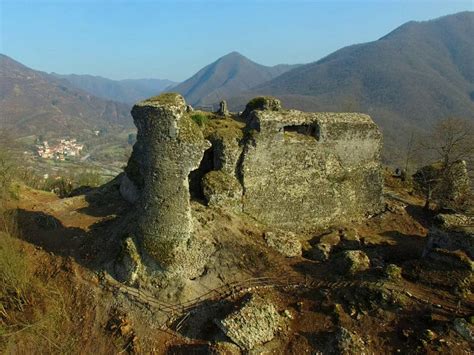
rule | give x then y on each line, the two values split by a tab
170	147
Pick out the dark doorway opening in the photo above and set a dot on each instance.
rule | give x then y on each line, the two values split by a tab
195	176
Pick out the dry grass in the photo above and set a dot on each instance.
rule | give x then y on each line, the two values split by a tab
38	312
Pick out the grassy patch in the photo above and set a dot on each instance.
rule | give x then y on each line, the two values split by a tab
200	118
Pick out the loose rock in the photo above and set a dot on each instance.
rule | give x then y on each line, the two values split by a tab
352	261
285	243
254	324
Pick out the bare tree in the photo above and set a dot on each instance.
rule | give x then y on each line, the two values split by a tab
450	143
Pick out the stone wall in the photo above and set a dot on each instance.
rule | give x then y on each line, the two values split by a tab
308	170
288	169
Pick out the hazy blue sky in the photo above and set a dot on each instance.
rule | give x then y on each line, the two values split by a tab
173	39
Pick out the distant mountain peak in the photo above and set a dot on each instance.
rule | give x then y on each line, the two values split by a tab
225	77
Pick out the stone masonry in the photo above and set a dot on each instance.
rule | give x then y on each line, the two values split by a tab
171	145
304	170
288	169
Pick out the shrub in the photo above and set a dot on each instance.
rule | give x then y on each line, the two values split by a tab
200	119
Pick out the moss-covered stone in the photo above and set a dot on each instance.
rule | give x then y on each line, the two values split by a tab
261	103
171	145
222	189
168	98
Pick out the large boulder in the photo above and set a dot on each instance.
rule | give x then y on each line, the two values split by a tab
255	323
351	262
286	243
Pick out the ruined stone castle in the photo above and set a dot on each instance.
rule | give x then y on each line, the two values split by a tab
287	169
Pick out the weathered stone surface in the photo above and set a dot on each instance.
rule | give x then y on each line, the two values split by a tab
171	146
223	110
223	190
463	328
304	170
322	250
351	262
128	265
285	243
453	220
345	342
451	233
261	103
393	272
350	239
254	324
450	259
288	169
128	190
225	348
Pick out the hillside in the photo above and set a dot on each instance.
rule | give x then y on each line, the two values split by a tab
127	91
33	102
415	75
226	77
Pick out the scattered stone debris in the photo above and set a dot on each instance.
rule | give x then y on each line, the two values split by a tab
121	327
393	272
350	239
322	250
254	324
285	243
452	232
453	220
351	262
463	328
345	342
225	348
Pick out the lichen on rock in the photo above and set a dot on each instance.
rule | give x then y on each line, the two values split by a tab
255	323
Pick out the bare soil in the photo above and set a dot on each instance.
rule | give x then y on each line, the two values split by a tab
74	241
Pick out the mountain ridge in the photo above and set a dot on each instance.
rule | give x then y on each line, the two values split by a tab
412	77
127	91
226	76
34	102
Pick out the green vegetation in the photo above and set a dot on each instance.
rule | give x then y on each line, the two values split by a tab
165	98
11	176
200	118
